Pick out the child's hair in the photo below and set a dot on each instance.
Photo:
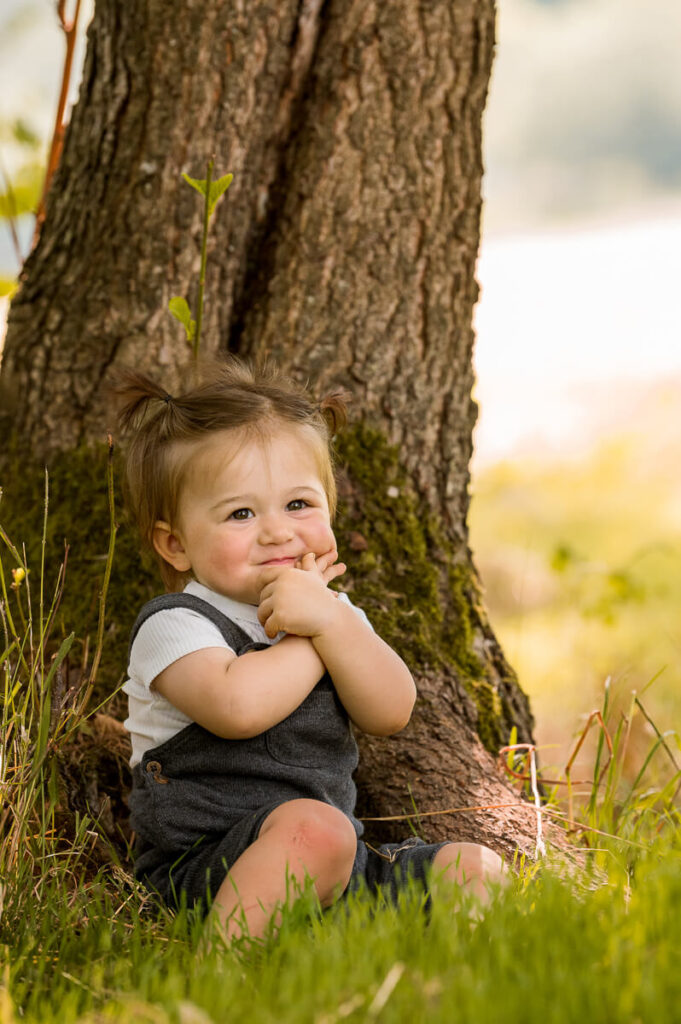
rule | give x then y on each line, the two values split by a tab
230	395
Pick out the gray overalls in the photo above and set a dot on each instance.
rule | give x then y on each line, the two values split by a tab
198	800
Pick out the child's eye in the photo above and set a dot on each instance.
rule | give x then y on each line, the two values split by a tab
241	514
297	504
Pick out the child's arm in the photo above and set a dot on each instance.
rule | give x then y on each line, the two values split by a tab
372	681
238	697
374	684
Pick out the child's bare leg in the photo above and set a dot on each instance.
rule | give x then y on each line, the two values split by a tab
469	865
299	838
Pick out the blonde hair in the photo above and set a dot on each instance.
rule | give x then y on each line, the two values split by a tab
230	395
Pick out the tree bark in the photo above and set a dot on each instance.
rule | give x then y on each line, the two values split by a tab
345	249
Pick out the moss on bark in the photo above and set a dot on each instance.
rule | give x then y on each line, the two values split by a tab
78	517
421	595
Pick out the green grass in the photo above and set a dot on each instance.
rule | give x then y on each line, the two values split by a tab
543	952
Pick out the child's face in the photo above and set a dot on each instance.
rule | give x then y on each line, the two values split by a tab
248	505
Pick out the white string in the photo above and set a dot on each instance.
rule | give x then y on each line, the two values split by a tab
540	846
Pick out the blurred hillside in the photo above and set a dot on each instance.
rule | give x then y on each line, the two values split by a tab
581	561
584	114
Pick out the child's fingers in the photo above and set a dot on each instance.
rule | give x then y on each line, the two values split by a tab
308	562
333	571
265	603
324	565
267	617
265	609
329	568
269	580
266	590
269	574
328	558
271	629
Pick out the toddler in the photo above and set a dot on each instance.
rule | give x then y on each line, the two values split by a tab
245	677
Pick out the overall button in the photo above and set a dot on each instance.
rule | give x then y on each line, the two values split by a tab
154	769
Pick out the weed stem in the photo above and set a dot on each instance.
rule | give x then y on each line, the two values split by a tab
204	253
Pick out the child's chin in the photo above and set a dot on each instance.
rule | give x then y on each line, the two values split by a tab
243	596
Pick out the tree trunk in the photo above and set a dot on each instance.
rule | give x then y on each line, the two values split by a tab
346	250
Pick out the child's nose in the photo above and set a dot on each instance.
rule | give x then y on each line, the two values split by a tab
274	529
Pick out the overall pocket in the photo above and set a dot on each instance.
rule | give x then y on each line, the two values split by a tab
316	735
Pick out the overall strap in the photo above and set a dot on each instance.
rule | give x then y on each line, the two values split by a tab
233	635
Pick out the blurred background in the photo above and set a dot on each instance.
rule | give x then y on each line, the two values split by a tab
576	489
576	511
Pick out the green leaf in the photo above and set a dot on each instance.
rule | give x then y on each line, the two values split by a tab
24	193
24	134
198	183
53	786
217	189
179	308
8	286
512	740
59	657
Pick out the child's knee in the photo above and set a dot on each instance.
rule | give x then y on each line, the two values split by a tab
319	836
469	862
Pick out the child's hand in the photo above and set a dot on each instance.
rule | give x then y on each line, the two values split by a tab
325	565
297	600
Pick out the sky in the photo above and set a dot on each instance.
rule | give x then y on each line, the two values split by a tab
582	213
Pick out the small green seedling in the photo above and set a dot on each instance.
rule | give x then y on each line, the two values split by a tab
178	305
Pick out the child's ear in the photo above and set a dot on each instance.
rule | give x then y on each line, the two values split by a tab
169	546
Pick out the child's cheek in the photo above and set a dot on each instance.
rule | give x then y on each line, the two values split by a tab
324	539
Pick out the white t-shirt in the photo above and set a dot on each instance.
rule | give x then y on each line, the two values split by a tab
164	638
